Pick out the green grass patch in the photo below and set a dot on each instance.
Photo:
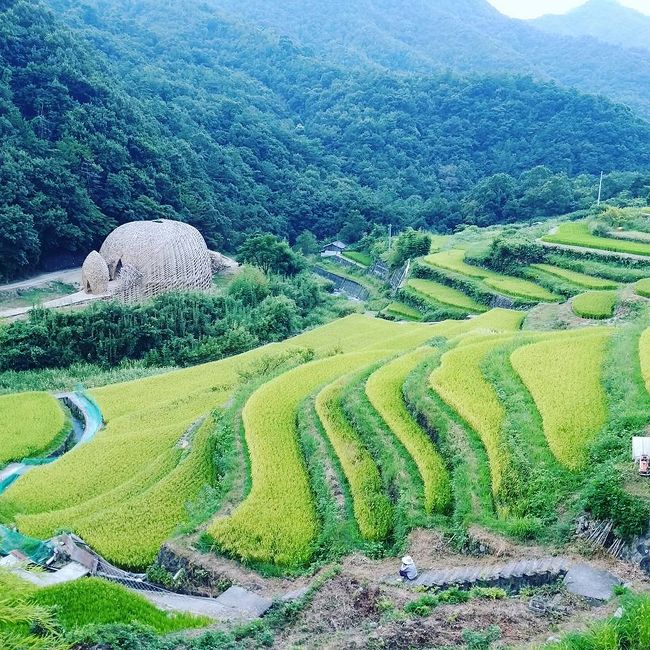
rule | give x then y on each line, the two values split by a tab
424	605
441	293
580	279
35	295
98	602
594	304
578	234
359	257
629	632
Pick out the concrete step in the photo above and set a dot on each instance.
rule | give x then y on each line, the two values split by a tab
547	568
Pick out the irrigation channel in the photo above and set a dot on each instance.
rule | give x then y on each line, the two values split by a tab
344	285
235	603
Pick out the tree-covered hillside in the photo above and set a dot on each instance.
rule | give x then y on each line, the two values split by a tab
606	20
459	35
113	111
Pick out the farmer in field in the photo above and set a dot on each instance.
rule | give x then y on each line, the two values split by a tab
408	570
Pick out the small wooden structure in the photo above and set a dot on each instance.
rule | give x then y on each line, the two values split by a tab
332	249
145	258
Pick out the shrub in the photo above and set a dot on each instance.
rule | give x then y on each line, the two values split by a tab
481	640
606	499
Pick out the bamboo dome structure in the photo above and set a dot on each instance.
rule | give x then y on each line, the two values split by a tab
142	259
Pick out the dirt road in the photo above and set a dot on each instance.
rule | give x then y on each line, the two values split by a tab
69	276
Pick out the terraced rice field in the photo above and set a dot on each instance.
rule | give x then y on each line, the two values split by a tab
384	390
30	424
579	279
461	384
596	305
401	311
564	376
578	234
440	294
642	288
156	463
372	509
454	261
142	480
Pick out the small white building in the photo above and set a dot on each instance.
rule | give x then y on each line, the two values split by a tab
640	447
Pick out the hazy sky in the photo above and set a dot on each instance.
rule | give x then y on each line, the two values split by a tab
534	8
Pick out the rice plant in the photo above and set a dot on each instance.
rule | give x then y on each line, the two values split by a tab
30	423
384	390
577	234
596	305
372	509
564	377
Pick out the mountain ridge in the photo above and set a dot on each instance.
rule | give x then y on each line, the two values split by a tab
467	37
121	111
606	20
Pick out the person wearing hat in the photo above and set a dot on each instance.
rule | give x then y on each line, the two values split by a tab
409	570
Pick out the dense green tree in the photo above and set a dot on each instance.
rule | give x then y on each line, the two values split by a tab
493	200
276	318
270	254
250	286
410	244
307	243
19	244
113	110
172	329
510	252
354	227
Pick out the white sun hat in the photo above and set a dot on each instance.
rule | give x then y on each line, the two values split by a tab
407	559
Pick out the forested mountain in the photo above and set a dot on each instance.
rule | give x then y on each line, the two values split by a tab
121	110
606	20
460	35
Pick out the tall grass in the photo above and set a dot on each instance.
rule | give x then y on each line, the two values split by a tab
98	602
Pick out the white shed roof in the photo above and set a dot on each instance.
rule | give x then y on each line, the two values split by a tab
640	447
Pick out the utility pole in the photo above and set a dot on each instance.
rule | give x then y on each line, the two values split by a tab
390	235
600	189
